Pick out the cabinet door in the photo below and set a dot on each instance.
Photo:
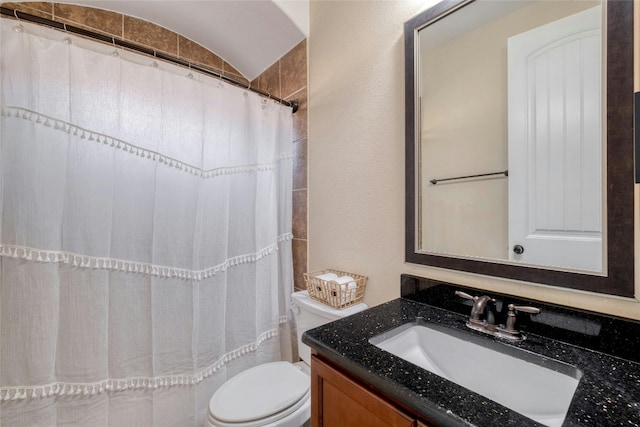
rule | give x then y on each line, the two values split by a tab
338	401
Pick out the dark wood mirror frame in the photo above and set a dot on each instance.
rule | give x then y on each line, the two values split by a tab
619	274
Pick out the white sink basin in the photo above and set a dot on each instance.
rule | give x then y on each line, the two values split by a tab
533	385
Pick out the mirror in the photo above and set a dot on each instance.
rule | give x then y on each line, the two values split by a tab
534	69
519	142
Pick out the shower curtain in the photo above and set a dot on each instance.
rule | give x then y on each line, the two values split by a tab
145	234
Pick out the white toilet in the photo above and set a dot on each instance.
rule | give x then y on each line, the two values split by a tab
275	394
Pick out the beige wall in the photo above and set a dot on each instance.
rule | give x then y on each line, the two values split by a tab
356	140
356	156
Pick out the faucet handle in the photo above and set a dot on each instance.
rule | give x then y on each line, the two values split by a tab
510	326
524	309
465	295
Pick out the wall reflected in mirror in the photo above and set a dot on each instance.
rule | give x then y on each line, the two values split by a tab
513	86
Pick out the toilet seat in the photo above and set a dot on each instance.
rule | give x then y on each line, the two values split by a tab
260	396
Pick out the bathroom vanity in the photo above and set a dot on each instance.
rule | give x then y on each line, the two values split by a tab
349	402
357	382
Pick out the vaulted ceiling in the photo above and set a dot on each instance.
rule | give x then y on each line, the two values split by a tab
250	35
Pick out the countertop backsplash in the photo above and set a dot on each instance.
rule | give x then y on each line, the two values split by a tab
608	334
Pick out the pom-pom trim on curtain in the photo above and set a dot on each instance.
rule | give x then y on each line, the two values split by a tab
89	135
87	261
132	383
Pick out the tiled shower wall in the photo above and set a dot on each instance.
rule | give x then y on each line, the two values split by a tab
286	79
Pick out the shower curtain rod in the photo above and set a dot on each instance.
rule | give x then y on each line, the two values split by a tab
131	46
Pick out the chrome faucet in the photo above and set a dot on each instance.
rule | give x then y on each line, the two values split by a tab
483	318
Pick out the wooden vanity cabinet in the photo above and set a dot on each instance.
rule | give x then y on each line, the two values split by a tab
338	400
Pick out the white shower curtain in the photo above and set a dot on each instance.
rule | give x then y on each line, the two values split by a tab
145	239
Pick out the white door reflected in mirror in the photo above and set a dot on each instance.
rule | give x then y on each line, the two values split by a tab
555	143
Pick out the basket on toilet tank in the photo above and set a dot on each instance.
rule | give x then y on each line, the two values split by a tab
338	289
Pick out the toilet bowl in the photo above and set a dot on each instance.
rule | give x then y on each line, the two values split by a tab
273	394
276	394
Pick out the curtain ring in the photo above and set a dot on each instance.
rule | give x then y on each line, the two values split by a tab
66	40
190	75
18	28
115	50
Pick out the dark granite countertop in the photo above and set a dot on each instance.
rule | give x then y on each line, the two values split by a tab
606	349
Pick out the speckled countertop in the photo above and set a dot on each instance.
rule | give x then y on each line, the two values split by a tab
605	349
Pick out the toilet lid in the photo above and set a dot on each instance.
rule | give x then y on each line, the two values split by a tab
259	392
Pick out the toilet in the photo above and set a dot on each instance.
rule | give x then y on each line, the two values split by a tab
276	394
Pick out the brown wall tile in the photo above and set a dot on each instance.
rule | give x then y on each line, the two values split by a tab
151	35
294	69
269	81
299	262
300	214
195	53
300	148
42	6
36	8
300	119
98	19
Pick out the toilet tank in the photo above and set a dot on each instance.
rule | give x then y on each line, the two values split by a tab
309	313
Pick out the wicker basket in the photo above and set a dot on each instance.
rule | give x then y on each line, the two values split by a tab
333	293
